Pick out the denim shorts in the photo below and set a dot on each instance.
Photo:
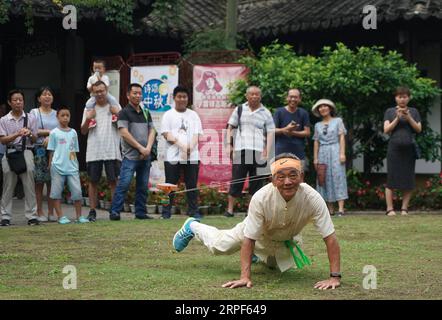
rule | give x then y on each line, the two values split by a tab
57	186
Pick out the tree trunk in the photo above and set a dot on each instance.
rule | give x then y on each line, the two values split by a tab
231	24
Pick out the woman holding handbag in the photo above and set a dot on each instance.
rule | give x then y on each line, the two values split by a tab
401	122
329	155
46	120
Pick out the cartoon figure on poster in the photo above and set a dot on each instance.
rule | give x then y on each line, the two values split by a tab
209	84
156	94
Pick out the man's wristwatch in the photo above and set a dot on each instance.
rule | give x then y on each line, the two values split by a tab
335	275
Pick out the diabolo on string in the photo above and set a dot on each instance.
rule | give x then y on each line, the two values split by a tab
167	188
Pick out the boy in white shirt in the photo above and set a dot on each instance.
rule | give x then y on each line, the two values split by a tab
181	127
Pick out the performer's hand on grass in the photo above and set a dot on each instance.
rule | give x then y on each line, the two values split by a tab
331	283
238	284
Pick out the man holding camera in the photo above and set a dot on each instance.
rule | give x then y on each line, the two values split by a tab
292	127
18	132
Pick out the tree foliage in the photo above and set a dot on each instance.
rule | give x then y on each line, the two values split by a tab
213	39
118	12
361	82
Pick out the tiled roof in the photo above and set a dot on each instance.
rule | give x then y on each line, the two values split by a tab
48	9
261	18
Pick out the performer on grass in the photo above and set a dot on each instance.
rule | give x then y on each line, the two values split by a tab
277	214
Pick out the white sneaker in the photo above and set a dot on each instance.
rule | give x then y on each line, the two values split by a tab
52	218
42	219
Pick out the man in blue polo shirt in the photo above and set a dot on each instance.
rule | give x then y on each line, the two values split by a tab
138	134
292	126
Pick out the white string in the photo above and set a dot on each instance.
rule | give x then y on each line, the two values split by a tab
241	180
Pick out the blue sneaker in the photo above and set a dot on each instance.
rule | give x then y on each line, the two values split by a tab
64	220
82	220
184	235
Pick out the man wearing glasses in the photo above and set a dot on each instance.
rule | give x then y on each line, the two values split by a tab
277	214
292	126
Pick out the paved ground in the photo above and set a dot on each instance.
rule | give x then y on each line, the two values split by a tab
18	217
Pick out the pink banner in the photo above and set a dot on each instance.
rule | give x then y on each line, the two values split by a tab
210	90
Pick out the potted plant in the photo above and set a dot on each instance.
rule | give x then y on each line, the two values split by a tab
204	199
151	206
179	202
101	195
107	199
214	199
130	196
242	204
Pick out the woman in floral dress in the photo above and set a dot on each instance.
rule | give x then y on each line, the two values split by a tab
329	149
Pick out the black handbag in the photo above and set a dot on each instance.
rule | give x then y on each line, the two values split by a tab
16	160
154	150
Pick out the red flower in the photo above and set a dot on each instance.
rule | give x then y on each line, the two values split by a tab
367	183
359	192
428	184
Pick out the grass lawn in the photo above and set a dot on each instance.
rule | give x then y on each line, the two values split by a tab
134	260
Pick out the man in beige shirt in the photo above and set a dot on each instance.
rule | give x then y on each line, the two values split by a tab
277	213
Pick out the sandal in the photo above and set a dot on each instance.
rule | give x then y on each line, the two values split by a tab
402	212
389	211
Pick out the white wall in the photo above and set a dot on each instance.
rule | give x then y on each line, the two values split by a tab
429	59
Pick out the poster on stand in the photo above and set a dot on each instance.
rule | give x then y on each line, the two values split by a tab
210	101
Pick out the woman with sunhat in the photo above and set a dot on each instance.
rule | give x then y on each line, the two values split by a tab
329	149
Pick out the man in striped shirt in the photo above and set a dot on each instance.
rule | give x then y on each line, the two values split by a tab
253	129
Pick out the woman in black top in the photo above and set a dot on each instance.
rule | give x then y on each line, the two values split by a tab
401	123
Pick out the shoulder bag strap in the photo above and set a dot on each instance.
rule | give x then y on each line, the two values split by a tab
23	140
239	117
41	119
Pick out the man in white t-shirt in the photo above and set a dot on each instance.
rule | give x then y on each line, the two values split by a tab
277	214
103	145
181	127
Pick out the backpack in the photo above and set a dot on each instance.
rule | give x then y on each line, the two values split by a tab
154	151
239	111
